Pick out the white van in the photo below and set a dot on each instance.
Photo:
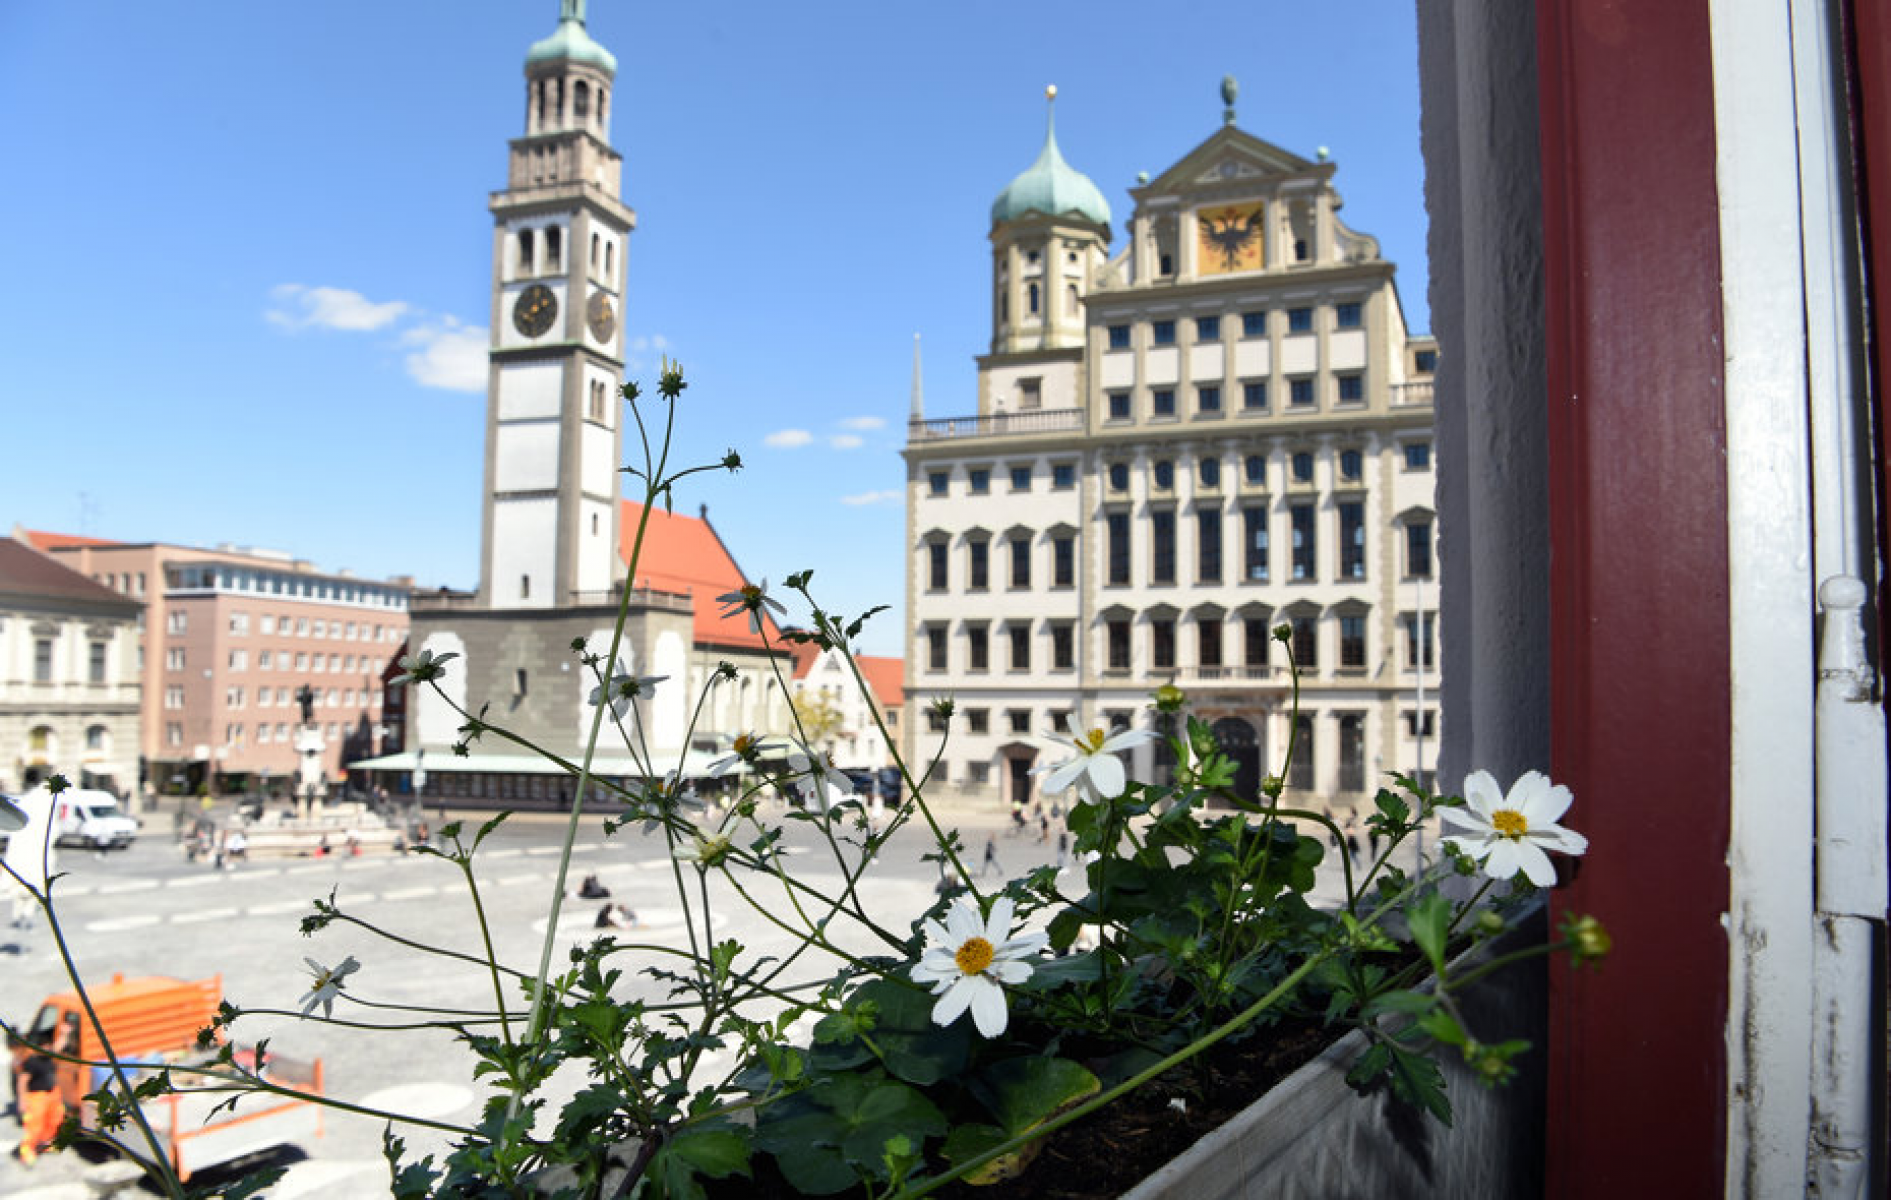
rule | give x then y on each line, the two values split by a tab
92	818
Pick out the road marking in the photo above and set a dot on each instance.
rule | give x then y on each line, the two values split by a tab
193	880
202	915
511	880
309	869
278	908
542	849
412	893
502	854
119	924
131	885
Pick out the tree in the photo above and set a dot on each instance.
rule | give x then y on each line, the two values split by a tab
820	717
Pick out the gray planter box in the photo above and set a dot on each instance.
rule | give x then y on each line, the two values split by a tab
1312	1137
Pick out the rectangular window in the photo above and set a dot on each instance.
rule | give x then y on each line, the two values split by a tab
977	648
936	553
1021	561
1419	724
1018	720
935	648
1020	647
978	565
95	663
176	620
1116	525
1208	399
936	723
1254	639
1063	476
1254	324
1418	456
1254	396
1300	392
1162	333
264	660
1020	479
1119	406
978	480
1208	641
1352	752
1162	402
978	720
1352	540
1063	562
1208	545
1119	337
1305	559
173	658
936	482
1207	329
1418	549
1254	544
1254	470
1349	315
266	623
1352	388
1306	643
1419	647
1162	644
1299	320
1162	546
1426	361
1352	641
1119	645
1063	647
173	697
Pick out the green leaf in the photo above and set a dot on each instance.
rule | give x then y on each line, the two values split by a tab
1397	1002
1420	1082
1442	1026
488	827
1430	922
1021	1092
716	1153
967	1142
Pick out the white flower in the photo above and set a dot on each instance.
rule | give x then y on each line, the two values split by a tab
704	851
967	958
418	668
327	985
12	816
624	689
740	756
1096	770
752	598
1510	833
817	783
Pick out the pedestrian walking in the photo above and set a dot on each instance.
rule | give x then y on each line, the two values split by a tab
41	1109
1044	830
991	857
1063	848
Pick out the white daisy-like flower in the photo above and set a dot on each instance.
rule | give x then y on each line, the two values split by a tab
624	689
418	668
1096	771
741	755
969	958
1510	833
704	850
327	984
751	598
817	783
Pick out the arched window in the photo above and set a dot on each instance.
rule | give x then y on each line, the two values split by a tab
581	100
543	90
553	250
525	252
594	251
610	249
1031	299
525	587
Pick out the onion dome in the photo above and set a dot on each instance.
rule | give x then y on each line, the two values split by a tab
570	43
1051	186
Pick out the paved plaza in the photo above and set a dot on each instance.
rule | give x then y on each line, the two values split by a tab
148	911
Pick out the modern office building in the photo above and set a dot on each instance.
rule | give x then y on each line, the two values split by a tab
1222	427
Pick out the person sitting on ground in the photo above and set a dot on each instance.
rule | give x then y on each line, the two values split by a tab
591	889
606	919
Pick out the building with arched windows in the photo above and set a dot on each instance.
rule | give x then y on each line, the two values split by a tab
1177	446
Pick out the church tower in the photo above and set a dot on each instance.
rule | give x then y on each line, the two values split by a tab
1050	234
553	416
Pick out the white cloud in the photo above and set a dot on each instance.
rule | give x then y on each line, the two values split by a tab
864	423
788	439
890	496
448	355
301	307
845	441
645	351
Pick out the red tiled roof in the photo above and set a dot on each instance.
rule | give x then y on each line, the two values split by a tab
25	571
683	554
804	655
42	539
886	677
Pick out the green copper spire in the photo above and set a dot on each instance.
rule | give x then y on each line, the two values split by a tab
1051	186
570	43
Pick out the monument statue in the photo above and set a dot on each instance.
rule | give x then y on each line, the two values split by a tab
305	696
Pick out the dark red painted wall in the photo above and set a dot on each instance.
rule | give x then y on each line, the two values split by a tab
1638	577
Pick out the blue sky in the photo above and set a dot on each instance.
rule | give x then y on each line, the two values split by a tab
249	248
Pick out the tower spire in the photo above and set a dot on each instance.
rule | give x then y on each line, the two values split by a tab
571	10
919	398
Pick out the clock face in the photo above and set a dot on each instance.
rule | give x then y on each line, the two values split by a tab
1230	238
601	315
535	311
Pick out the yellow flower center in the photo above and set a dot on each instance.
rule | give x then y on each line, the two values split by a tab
1510	823
1092	742
752	595
974	956
744	743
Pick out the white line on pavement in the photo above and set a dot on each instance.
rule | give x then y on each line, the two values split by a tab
192	880
130	885
511	880
118	924
412	893
277	909
201	915
541	850
309	869
490	854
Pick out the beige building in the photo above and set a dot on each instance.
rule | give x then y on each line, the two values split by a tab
1223	427
68	676
229	638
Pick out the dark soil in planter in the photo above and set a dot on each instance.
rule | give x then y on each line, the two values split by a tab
1111	1150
